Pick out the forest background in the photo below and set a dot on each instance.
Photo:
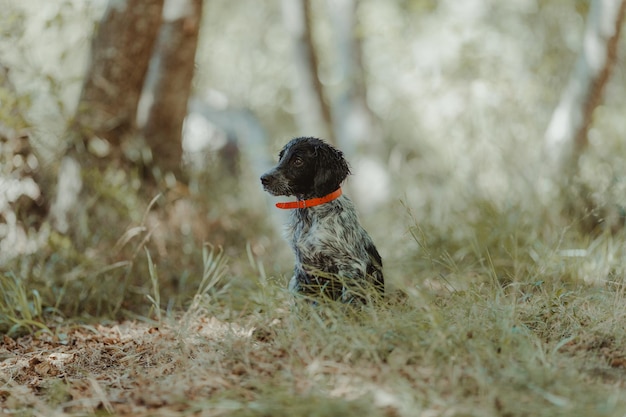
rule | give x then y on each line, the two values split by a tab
486	141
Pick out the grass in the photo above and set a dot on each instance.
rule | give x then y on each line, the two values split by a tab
19	310
502	321
478	352
493	308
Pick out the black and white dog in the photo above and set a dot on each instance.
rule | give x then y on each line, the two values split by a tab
335	257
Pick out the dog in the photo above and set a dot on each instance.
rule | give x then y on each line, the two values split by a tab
335	258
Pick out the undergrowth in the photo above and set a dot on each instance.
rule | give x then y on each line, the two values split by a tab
123	248
503	320
507	312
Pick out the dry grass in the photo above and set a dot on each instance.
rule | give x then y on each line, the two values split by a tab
492	310
487	334
466	354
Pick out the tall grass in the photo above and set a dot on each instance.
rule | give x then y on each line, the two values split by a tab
494	321
21	309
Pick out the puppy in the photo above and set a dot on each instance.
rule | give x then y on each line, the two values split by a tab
335	257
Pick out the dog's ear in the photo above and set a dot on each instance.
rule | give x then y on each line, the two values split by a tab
331	169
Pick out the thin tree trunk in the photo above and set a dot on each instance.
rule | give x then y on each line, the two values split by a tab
566	138
567	134
313	113
120	54
170	82
356	127
354	122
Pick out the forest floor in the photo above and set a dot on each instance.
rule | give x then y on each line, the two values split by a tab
531	349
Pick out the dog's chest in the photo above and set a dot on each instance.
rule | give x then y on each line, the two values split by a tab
305	230
311	232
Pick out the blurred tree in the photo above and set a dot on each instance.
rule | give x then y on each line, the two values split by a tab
169	84
313	112
120	54
354	122
107	108
355	126
567	135
124	47
21	202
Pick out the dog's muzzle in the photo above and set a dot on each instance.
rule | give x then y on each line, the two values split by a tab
274	184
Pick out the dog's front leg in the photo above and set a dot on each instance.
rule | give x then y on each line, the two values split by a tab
353	279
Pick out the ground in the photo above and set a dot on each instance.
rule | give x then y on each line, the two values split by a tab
483	351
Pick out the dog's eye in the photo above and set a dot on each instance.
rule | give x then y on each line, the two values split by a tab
297	162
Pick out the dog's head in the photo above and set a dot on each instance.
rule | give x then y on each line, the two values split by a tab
307	168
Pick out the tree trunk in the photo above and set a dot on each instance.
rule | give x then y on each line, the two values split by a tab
566	136
169	84
354	122
107	108
313	114
356	127
120	54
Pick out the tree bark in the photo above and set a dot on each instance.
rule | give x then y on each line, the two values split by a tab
313	113
567	134
120	54
354	122
169	83
566	138
107	108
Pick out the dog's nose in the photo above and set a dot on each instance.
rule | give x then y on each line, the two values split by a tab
265	179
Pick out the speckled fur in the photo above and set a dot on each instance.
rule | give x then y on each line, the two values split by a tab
335	257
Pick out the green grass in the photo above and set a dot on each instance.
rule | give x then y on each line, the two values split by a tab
21	310
503	321
491	311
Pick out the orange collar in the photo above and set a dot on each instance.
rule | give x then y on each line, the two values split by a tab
311	202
